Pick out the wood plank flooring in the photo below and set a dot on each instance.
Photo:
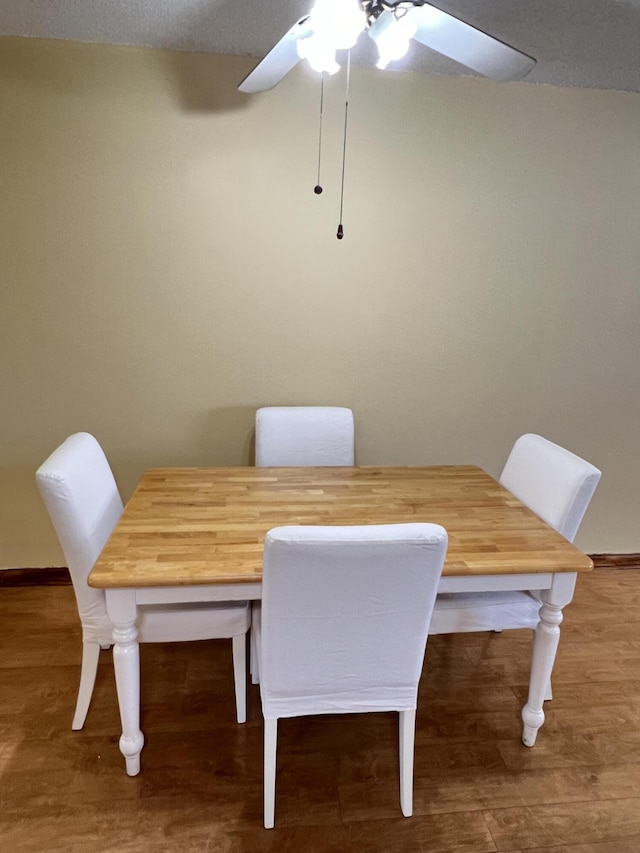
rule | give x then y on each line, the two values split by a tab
477	789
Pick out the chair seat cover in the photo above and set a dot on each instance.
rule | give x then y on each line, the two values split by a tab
180	622
483	611
356	698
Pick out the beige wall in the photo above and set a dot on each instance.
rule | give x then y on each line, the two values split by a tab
166	268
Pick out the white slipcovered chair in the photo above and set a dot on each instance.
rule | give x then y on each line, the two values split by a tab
83	502
294	436
343	628
558	486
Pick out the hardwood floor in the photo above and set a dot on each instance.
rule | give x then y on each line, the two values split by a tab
477	788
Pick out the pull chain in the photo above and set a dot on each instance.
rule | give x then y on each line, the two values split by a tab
318	187
340	232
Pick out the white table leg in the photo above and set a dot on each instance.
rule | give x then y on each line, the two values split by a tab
121	607
545	645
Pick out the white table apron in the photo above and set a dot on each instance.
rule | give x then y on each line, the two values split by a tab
556	592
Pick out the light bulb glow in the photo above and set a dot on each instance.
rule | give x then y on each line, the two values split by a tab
336	26
320	56
392	36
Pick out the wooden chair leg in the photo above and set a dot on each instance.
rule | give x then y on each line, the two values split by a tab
90	655
240	675
270	752
407	739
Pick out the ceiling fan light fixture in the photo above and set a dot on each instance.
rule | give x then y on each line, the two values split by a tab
392	36
320	55
335	25
340	21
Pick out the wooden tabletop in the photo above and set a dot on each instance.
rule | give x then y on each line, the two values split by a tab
187	526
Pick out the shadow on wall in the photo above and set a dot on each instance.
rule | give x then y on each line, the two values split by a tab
206	82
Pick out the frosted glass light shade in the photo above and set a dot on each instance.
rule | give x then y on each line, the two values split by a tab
320	56
392	36
336	26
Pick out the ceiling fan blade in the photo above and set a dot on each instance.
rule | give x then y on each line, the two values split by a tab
467	45
279	61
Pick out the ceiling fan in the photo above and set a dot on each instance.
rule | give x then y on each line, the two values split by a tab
337	24
334	25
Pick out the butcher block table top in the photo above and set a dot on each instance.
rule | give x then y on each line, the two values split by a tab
188	526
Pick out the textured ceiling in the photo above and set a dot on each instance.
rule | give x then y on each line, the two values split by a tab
588	43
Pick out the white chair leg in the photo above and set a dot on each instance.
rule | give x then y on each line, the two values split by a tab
407	739
270	751
90	655
253	657
240	675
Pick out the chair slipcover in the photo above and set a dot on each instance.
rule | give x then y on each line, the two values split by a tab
294	436
558	486
555	483
83	502
343	626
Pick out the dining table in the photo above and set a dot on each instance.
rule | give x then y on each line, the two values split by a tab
195	534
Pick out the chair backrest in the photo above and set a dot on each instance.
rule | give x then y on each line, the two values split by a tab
345	616
553	482
304	435
83	502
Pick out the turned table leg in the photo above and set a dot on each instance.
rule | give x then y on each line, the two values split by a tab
545	645
121	606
